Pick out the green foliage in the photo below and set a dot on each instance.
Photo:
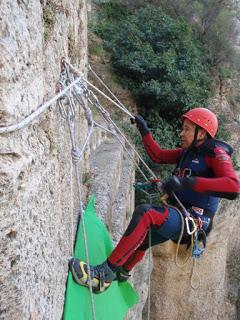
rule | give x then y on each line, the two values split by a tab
97	50
112	10
158	59
218	40
225	72
165	133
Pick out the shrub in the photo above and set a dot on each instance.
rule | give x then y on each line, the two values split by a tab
158	59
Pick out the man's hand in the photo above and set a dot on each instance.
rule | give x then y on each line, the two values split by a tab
177	183
141	125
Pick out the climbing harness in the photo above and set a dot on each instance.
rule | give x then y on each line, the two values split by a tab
193	227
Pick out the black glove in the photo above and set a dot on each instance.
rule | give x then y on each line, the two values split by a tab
177	183
141	125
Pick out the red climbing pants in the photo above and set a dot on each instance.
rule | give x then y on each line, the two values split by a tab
132	246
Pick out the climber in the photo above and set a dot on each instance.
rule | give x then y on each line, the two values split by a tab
204	173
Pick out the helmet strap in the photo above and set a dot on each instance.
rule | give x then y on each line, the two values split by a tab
195	140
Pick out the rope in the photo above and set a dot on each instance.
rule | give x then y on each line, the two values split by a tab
108	89
69	116
125	138
95	102
193	273
99	91
114	126
125	149
22	124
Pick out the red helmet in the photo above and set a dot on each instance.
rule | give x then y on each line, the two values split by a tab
204	118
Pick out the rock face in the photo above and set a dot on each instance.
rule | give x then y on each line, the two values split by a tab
114	198
38	194
37	197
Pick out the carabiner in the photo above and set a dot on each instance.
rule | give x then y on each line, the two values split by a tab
187	225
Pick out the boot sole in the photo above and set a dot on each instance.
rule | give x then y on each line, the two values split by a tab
85	283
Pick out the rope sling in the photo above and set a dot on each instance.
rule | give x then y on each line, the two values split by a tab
72	93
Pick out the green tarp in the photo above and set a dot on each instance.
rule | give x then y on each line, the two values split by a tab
112	304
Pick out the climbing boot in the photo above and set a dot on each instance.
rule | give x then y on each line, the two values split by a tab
122	275
101	276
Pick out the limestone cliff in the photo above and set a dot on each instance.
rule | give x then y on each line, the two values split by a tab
37	197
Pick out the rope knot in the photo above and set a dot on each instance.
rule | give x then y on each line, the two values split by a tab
76	154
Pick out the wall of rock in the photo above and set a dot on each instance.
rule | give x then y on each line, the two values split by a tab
37	189
38	194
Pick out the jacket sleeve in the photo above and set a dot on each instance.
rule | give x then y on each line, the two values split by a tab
158	155
225	183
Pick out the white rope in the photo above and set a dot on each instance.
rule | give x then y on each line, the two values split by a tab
77	174
194	273
37	113
100	92
194	262
119	131
95	102
108	89
69	116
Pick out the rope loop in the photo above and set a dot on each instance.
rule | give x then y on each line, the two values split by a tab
67	107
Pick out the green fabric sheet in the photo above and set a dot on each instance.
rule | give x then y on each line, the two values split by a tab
112	304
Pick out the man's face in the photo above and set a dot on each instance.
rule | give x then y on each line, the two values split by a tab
187	133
